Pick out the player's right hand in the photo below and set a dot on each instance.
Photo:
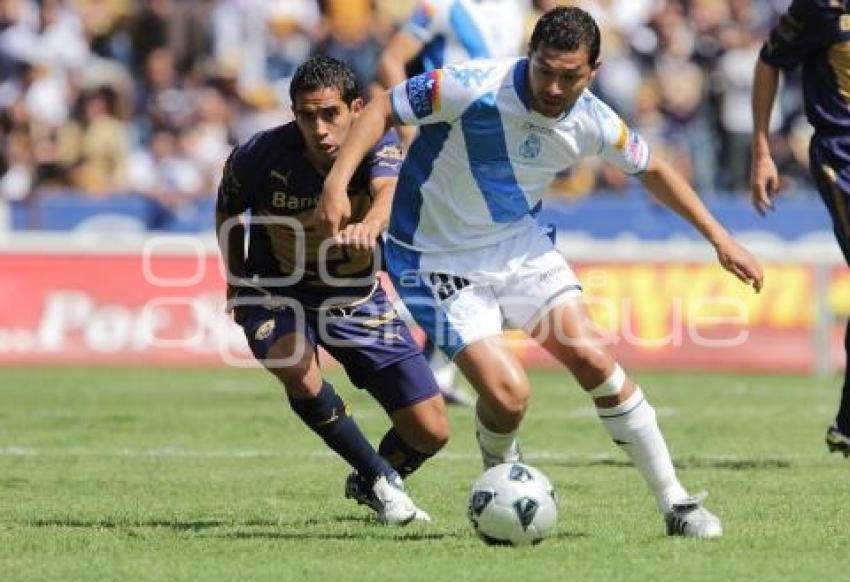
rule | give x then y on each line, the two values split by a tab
764	181
333	211
741	263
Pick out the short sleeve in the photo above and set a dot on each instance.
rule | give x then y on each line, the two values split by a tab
384	160
620	145
232	197
798	33
441	94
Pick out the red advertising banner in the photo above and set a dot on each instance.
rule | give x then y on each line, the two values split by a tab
168	310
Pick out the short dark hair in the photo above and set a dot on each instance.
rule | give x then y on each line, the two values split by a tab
567	28
323	72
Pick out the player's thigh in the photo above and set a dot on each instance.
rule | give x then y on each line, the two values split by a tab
496	374
452	310
568	333
536	284
283	341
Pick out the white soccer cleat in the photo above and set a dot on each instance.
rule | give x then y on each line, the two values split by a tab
386	497
396	507
689	519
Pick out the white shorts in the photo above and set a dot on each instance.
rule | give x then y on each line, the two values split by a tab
461	297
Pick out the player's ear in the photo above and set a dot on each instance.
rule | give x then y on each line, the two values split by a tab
357	105
594	68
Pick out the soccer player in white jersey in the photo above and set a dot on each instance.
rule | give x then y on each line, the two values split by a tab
448	32
467	257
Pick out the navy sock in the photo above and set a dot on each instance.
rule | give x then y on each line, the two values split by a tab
327	415
842	419
403	458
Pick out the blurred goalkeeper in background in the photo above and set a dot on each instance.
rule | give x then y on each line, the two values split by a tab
816	35
297	290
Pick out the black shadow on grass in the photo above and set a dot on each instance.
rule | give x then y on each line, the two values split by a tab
368	533
175	524
731	464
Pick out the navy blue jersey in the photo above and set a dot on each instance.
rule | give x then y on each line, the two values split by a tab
271	177
816	35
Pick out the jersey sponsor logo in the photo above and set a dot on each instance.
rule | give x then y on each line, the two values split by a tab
286	201
265	330
470	76
534	128
530	148
423	93
844	22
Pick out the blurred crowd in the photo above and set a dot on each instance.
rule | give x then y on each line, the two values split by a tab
100	98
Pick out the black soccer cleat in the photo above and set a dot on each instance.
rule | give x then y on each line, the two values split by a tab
837	441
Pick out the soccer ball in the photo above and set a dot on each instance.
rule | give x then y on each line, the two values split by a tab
512	504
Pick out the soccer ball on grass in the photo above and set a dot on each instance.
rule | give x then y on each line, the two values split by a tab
512	504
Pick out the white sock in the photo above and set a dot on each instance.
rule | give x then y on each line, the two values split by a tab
633	425
496	447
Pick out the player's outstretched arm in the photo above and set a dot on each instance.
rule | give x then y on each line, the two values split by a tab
334	209
674	192
764	178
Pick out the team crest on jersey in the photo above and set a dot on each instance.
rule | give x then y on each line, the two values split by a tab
531	147
423	93
265	330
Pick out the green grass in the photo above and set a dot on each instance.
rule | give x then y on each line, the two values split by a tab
206	475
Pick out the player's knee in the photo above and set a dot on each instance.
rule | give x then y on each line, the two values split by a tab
436	434
510	399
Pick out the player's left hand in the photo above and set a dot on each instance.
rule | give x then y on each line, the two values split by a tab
738	261
360	237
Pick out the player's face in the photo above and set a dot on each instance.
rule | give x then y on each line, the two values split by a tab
557	78
324	120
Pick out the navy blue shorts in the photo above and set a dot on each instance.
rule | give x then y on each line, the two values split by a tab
370	340
831	171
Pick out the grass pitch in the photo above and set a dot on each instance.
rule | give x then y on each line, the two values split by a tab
206	475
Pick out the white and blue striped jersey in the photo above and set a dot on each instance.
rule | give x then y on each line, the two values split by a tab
483	159
455	31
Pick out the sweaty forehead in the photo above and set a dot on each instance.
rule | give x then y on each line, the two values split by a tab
319	99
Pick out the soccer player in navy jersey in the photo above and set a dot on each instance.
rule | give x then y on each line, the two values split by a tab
814	34
297	289
468	258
